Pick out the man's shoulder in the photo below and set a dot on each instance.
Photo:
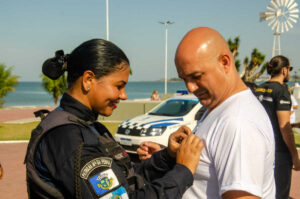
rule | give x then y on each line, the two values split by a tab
271	87
243	104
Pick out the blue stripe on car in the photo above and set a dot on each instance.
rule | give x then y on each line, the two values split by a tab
194	100
163	124
176	119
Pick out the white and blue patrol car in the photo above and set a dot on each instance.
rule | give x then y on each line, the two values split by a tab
159	123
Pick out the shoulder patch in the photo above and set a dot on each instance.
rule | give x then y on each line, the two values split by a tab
104	181
93	164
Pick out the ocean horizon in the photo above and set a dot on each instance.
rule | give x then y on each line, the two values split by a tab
33	94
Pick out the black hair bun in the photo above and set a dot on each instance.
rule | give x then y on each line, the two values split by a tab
54	67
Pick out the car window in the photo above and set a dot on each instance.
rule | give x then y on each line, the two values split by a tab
174	107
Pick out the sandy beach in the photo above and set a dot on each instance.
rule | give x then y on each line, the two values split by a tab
13	183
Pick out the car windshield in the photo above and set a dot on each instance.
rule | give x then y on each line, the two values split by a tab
174	107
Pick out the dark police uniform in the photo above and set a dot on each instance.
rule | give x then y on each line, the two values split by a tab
83	161
276	97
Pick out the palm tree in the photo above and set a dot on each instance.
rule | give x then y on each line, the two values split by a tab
234	46
7	81
55	87
257	58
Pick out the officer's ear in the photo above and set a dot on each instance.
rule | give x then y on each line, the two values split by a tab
87	80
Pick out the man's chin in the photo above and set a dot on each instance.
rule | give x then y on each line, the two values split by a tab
204	102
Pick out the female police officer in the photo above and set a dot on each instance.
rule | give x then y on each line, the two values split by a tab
71	155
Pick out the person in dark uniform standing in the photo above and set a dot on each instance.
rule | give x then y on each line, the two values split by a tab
276	99
71	155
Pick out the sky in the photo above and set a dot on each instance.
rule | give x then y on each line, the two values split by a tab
32	30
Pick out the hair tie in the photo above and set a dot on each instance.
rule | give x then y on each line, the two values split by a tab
56	66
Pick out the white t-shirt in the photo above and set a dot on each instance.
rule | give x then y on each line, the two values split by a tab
239	150
293	115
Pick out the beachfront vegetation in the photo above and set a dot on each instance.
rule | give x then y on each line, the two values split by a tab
7	81
250	66
55	87
22	131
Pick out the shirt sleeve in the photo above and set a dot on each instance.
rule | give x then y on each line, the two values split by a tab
283	100
156	166
240	165
166	178
58	156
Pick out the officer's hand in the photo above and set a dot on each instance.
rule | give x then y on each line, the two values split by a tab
146	150
189	152
176	138
296	164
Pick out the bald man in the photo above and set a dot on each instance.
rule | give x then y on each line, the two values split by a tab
237	161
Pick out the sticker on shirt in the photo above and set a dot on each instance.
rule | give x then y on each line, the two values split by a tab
93	164
104	181
119	193
284	102
263	98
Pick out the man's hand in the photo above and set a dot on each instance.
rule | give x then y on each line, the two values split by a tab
189	152
146	150
296	164
176	138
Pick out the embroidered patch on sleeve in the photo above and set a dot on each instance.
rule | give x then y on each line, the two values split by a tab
93	164
119	193
104	181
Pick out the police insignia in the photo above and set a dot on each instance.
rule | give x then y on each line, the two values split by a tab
104	181
119	193
93	164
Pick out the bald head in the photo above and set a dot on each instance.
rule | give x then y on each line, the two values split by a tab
202	42
204	61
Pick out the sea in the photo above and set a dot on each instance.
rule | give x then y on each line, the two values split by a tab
33	94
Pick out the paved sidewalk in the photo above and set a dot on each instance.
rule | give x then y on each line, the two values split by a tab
13	184
20	114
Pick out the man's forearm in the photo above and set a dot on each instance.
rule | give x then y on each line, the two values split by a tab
289	139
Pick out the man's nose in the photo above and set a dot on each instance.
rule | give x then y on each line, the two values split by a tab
191	86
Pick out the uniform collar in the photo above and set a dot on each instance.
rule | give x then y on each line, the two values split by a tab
71	105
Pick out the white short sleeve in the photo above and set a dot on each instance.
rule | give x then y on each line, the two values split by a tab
239	157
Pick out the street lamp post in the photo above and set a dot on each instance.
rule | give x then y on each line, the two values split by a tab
107	22
166	52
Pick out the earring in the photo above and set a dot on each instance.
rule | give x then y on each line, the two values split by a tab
87	89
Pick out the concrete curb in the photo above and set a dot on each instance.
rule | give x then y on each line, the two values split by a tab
13	141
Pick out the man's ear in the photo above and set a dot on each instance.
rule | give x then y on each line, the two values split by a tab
87	79
224	60
284	71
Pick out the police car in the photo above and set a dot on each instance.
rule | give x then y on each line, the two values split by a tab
160	122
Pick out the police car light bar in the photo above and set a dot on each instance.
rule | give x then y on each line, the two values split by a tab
182	92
